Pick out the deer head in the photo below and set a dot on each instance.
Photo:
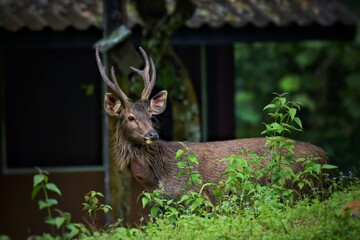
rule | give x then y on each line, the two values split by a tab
134	117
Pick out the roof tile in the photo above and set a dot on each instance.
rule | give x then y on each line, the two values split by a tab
82	14
56	14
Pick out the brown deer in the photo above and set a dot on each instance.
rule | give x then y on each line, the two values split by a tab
151	160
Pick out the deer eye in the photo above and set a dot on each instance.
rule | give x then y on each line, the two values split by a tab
131	118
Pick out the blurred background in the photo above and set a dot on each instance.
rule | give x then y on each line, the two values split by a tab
220	60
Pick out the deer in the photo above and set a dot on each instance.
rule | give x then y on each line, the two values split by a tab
152	162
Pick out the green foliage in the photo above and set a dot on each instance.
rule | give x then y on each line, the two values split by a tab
92	203
281	150
323	75
92	206
187	166
61	222
191	202
270	176
283	113
307	220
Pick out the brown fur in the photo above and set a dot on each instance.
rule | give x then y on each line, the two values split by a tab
155	166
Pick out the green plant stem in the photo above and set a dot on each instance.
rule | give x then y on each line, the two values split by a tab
191	181
49	207
190	173
63	232
93	219
243	192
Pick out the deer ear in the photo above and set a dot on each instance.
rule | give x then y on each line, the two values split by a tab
112	105
158	103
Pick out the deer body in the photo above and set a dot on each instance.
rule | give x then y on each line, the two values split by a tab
154	171
151	160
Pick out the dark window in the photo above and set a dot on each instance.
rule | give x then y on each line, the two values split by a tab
52	108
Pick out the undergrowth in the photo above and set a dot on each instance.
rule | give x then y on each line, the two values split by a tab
260	198
309	219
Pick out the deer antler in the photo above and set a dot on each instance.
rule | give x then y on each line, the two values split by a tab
149	84
112	84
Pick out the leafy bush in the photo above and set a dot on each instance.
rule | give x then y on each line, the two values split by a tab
323	75
308	219
62	222
61	226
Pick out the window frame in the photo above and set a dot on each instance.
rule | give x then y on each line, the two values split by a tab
69	39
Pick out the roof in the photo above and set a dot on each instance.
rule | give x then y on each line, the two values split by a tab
260	13
56	14
82	14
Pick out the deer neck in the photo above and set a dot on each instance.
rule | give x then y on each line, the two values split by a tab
146	160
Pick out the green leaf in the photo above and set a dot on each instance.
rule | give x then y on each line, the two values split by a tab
58	221
144	201
292	113
105	209
49	203
328	166
181	164
298	122
94	201
179	154
300	159
154	210
317	168
181	174
73	230
282	101
92	194
53	187
35	191
271	105
292	127
183	198
67	217
99	194
42	204
158	200
192	158
276	127
39	178
195	177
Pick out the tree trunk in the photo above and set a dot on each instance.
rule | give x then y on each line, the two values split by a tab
119	181
174	77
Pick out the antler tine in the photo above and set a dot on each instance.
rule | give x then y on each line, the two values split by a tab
145	75
112	84
118	89
147	91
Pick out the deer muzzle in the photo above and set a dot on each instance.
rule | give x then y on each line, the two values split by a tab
151	136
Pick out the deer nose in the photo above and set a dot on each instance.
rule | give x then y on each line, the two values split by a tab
153	135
